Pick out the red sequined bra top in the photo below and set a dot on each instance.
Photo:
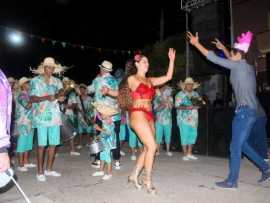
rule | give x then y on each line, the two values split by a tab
143	91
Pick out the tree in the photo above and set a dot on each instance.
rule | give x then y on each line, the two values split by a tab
158	57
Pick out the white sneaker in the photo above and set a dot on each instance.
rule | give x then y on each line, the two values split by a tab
30	165
192	157
169	154
185	158
122	153
22	168
79	147
117	165
107	177
41	177
52	173
73	153
133	157
98	173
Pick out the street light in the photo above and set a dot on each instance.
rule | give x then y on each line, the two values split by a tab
16	38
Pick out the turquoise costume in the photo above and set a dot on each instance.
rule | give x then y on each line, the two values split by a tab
187	120
23	123
46	114
108	140
163	104
83	126
109	81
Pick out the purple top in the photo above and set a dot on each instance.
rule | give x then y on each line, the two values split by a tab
5	110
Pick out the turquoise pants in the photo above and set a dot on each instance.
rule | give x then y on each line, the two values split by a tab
48	135
133	140
188	134
106	156
123	132
165	130
25	139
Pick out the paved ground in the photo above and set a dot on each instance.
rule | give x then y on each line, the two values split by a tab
177	181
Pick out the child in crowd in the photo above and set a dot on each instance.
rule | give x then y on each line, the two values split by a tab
107	137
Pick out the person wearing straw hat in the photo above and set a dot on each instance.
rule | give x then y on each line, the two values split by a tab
187	116
243	80
44	92
5	121
163	104
23	116
105	89
107	135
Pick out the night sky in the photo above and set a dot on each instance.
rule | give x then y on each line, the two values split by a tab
81	22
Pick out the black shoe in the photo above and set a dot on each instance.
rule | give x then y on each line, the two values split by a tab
265	177
226	185
95	164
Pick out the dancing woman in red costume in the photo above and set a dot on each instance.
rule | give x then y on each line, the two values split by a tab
141	116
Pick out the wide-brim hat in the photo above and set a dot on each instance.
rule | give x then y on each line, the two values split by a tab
49	61
83	86
188	81
11	80
23	80
106	65
105	109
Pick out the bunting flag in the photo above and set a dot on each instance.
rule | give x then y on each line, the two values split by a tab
64	44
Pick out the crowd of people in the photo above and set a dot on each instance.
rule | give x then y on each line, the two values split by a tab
128	107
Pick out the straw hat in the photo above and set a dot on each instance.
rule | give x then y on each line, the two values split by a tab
83	85
23	80
187	81
106	65
49	61
11	80
65	79
105	109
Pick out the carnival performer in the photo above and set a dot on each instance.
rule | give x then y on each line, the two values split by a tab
70	107
139	104
187	116
44	92
23	123
243	82
85	115
163	104
5	121
105	89
107	136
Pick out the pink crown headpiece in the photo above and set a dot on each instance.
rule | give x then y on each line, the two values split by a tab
243	41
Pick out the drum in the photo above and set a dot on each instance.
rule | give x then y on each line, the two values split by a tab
68	131
96	147
5	180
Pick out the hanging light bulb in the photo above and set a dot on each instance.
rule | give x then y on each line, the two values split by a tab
16	38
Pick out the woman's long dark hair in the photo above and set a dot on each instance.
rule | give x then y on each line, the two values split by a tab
124	97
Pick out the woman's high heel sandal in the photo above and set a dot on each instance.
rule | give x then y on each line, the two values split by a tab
147	182
133	179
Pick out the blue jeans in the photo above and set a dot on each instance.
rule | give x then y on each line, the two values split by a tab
243	122
258	137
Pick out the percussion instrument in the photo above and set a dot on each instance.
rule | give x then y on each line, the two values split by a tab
96	146
8	180
5	181
68	131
